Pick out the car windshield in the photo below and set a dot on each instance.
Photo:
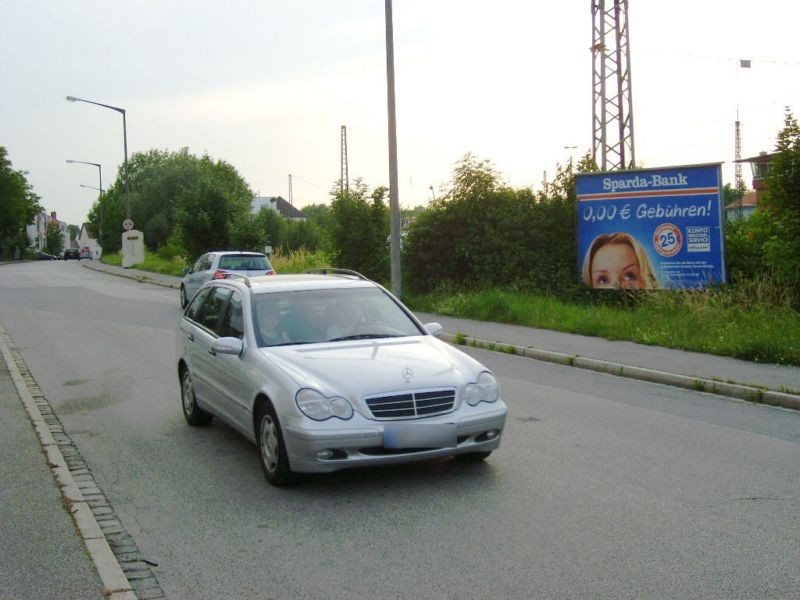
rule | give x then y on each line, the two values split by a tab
311	316
244	262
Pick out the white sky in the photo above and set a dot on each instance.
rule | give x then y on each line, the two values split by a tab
266	85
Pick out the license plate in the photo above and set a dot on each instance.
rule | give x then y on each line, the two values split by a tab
419	435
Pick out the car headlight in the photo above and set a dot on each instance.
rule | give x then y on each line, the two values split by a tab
320	408
485	389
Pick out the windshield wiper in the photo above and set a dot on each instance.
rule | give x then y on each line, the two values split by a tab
365	336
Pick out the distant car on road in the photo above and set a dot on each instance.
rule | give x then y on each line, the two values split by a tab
331	371
71	253
45	256
214	265
86	252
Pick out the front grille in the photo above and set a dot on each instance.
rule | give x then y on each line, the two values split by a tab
412	405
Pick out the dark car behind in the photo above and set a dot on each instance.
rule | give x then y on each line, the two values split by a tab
71	253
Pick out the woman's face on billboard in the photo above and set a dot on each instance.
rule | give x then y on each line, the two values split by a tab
616	266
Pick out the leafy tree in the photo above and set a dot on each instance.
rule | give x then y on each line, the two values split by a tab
768	243
249	234
19	206
201	199
73	231
301	235
359	229
731	194
482	232
53	239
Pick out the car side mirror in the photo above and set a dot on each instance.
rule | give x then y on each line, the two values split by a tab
434	329
227	345
186	270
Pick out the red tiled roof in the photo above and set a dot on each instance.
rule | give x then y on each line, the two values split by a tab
749	199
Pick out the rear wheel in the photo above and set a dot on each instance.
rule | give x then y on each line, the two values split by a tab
271	449
194	415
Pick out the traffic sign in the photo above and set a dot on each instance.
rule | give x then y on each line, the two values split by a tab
127	224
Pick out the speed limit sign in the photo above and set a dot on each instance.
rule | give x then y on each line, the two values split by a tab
127	224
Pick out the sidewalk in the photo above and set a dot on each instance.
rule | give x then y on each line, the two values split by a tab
692	370
43	554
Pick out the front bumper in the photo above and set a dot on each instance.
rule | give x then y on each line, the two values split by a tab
359	441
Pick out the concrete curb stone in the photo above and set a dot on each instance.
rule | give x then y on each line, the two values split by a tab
732	390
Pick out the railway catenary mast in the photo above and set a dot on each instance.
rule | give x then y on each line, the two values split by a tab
344	182
612	120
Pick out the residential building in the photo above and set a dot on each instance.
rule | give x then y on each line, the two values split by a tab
279	205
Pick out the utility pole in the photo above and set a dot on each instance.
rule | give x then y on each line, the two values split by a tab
344	181
291	200
394	192
612	121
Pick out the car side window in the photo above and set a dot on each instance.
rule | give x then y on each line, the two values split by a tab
210	311
193	308
232	324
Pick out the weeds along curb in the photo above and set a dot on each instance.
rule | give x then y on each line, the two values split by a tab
135	277
697	384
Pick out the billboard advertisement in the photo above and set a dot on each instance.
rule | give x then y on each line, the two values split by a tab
651	228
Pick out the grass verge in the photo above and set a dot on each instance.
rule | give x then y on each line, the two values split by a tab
727	322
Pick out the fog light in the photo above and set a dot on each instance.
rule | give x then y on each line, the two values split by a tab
487	435
325	454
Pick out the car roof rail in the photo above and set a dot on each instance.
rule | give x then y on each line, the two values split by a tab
336	271
229	275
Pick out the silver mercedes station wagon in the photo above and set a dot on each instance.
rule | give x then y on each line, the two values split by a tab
326	371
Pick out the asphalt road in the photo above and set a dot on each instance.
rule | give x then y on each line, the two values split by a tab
602	488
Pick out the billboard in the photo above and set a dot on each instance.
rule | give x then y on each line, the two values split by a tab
651	228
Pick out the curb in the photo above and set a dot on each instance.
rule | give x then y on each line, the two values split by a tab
139	278
697	384
115	583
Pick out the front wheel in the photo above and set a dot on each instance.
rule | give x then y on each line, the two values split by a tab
271	449
194	415
184	299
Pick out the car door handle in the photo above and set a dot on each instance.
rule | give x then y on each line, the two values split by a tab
212	352
190	337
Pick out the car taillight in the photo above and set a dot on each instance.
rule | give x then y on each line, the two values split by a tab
219	274
270	273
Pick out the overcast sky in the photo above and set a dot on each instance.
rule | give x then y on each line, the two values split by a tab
266	86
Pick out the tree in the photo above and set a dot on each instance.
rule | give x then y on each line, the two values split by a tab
19	206
481	232
782	204
359	230
53	239
201	199
768	243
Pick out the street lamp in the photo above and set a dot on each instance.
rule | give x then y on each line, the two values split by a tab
100	189
125	140
430	187
394	198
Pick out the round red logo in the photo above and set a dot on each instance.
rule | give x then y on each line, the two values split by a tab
667	239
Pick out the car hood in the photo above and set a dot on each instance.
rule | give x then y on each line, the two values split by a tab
355	369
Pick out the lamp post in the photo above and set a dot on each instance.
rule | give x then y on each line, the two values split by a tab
100	189
100	228
125	141
394	198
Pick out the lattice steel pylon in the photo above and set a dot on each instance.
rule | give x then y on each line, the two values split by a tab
344	183
612	121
